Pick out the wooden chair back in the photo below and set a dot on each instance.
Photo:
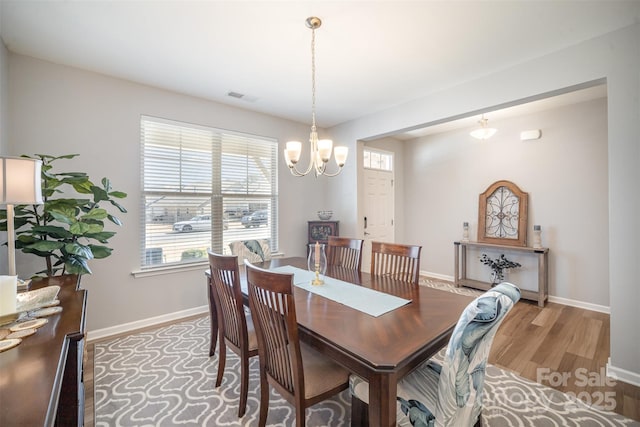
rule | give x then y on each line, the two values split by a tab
273	309
234	327
225	279
344	252
285	363
400	262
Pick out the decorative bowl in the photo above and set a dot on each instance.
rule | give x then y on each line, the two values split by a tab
325	215
31	300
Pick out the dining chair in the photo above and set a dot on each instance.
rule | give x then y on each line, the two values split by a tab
299	373
449	394
256	250
401	262
344	252
235	327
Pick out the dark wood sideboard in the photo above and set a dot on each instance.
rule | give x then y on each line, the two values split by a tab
41	380
319	231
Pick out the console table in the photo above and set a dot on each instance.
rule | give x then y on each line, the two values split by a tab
42	378
460	268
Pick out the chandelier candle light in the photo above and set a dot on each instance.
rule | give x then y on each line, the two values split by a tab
317	262
321	149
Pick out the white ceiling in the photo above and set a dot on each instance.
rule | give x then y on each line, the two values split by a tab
370	55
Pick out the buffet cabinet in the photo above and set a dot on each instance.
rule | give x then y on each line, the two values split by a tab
319	231
42	378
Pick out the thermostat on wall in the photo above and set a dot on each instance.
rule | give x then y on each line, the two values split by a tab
527	135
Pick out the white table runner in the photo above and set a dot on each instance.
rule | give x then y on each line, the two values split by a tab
357	297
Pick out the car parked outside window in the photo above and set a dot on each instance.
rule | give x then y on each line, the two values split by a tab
197	223
256	219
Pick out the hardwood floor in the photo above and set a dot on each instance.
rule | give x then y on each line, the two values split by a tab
563	347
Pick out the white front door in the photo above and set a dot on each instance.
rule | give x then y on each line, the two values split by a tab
378	211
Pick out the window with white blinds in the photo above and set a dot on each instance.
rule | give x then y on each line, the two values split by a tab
203	188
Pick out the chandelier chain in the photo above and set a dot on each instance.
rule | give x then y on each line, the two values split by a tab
320	150
313	79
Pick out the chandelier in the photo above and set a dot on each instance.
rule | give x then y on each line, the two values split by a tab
483	132
321	149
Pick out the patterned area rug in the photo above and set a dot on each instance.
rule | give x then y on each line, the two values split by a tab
166	378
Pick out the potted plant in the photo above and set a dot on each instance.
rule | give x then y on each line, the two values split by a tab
498	265
66	231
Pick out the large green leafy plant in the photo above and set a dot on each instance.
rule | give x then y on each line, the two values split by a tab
67	232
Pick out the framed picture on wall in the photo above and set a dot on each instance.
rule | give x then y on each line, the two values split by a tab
502	215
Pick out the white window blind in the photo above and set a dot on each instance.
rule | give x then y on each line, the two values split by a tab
203	188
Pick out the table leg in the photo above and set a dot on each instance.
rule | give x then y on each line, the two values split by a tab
456	265
543	278
463	262
382	399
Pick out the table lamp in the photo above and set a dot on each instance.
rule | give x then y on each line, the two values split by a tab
20	184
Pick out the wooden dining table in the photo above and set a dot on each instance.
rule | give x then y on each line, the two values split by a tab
380	349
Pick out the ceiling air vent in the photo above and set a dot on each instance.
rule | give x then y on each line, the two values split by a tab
242	96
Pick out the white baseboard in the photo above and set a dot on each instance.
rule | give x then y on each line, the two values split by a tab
557	300
580	304
437	276
623	375
99	334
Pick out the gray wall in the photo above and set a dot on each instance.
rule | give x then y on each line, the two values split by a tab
4	102
4	97
614	57
565	174
61	110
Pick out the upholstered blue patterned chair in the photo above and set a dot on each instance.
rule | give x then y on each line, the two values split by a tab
449	394
252	250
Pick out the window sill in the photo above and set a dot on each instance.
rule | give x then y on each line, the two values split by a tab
169	269
180	268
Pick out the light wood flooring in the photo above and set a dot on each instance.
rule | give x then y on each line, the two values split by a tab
565	347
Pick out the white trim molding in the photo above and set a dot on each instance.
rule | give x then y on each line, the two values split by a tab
580	304
437	276
557	300
623	375
100	334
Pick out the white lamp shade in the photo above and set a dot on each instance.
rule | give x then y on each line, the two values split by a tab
324	149
20	181
292	152
340	153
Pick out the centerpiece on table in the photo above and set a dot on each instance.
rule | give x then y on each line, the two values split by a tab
498	266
